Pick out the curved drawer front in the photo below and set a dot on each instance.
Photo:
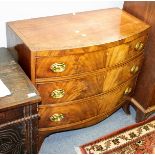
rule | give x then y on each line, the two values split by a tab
71	89
86	62
73	64
72	112
74	89
120	74
124	52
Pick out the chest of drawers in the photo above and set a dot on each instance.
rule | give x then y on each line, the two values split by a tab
83	64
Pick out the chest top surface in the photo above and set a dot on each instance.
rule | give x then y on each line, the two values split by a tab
77	30
17	82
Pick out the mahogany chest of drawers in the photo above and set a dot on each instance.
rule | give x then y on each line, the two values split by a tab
83	64
18	111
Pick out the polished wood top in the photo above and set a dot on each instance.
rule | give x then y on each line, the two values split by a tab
78	29
17	82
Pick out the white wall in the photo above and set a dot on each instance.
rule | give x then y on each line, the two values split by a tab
11	10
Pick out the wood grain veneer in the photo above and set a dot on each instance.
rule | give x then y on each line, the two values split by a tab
96	51
84	108
75	88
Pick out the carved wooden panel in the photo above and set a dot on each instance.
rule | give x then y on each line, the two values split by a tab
12	139
19	135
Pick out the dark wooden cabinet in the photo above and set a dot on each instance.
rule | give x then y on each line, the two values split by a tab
18	111
145	88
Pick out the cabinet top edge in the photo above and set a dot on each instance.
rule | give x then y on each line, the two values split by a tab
78	30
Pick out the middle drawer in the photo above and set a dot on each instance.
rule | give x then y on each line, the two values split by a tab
117	75
71	89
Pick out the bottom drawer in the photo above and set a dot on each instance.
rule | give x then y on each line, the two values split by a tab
79	110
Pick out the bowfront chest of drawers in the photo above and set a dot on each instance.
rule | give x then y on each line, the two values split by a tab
83	64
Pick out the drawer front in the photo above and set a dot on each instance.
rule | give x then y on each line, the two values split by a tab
79	63
75	111
118	95
120	74
68	113
69	65
71	89
125	52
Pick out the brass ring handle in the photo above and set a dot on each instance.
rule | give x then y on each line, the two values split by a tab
127	91
56	117
139	46
58	67
58	93
134	69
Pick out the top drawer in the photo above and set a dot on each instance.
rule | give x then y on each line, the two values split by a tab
124	52
69	65
79	63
